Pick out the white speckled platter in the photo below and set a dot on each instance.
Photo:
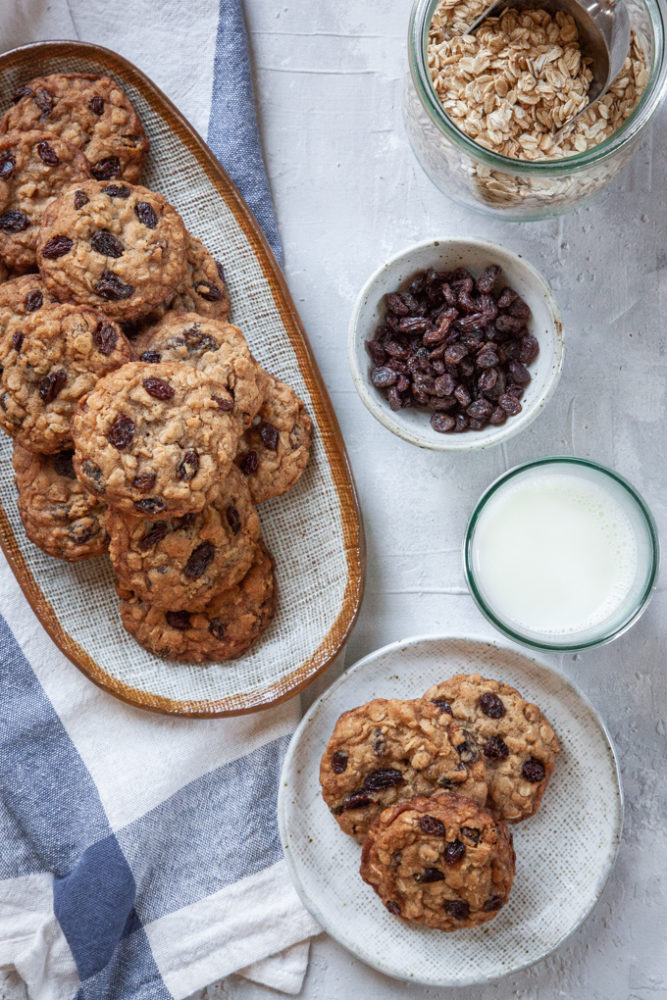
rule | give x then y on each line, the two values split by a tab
314	533
564	854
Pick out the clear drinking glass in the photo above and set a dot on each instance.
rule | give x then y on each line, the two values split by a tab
639	593
516	189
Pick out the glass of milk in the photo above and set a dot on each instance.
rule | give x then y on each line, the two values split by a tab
561	554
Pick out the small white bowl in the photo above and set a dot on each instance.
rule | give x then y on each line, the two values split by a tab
446	254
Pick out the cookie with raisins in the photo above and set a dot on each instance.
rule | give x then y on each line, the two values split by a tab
274	451
210	345
49	359
225	630
34	168
516	742
155	439
186	562
92	112
115	247
388	751
57	513
443	862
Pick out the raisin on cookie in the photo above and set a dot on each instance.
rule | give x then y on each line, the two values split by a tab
442	861
21	296
517	743
154	439
91	112
275	449
49	359
209	345
187	562
113	247
388	751
57	513
227	629
34	168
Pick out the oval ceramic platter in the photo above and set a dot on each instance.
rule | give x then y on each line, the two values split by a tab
314	532
560	874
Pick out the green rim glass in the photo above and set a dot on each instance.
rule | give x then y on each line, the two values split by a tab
656	86
609	631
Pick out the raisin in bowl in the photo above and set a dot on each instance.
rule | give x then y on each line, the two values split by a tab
456	344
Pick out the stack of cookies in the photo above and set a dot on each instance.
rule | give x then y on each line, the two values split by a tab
142	424
428	787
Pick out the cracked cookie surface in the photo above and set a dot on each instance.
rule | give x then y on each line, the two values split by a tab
188	561
112	246
517	743
34	168
91	112
58	515
388	751
442	861
203	290
274	451
154	439
50	358
224	631
208	345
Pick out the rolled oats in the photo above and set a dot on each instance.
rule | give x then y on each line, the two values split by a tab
520	78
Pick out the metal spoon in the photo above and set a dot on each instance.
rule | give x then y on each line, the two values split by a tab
604	35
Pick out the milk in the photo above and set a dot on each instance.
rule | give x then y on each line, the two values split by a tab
559	552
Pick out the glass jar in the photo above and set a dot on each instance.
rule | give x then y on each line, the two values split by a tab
520	189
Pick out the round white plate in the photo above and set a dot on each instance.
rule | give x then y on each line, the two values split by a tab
564	853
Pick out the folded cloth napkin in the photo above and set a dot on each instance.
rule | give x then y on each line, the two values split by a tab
139	855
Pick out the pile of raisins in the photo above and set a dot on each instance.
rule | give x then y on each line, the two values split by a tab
456	345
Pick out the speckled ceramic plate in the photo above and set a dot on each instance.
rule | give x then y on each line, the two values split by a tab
560	874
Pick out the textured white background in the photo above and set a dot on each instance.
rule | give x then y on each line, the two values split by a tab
349	193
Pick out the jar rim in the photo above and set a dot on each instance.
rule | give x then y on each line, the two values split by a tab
614	629
656	85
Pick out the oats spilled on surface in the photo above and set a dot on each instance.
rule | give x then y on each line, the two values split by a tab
514	83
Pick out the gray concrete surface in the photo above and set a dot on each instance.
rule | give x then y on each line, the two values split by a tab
349	193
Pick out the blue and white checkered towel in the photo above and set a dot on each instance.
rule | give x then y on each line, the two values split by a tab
139	855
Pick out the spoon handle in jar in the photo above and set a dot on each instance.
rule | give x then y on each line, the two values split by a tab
485	13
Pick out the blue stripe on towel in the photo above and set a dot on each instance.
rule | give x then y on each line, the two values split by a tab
233	134
94	905
50	811
131	975
52	819
218	829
